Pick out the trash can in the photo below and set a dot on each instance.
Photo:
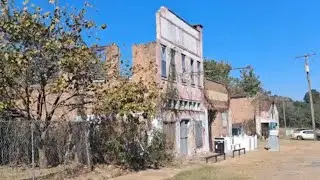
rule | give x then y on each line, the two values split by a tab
219	145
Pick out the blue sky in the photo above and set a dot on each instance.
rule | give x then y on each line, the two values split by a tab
265	34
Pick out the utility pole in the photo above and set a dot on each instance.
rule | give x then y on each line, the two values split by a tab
284	117
307	69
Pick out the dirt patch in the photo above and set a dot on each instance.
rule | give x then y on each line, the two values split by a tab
296	160
101	172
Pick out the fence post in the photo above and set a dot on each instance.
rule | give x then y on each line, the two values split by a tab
32	147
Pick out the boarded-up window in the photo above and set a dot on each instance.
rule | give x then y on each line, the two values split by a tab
198	134
169	130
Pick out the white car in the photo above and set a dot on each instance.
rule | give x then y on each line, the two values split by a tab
303	134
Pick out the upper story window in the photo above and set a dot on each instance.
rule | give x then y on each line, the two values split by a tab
199	73
192	71
173	65
163	61
183	64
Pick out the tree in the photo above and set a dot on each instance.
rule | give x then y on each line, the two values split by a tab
297	112
250	82
126	97
130	105
315	96
247	85
217	71
44	65
234	87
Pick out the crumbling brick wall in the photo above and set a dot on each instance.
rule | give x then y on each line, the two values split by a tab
112	71
112	63
144	62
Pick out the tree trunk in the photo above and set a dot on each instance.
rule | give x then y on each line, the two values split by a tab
43	160
69	145
76	155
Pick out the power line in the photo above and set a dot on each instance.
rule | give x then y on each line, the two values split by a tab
307	69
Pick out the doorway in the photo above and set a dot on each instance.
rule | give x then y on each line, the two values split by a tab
265	130
211	117
169	129
184	136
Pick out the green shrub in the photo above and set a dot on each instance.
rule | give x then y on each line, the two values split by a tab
157	151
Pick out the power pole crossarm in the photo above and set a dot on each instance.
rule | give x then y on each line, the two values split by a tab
307	69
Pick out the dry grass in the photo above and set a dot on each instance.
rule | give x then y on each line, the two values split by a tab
209	173
23	173
26	173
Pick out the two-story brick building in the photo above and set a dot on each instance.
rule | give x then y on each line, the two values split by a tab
175	60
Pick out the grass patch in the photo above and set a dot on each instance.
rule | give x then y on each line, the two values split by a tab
208	173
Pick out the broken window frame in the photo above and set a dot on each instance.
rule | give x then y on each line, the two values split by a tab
173	71
199	73
192	71
163	61
183	67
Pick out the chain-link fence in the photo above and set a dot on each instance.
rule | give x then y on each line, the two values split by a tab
37	149
28	146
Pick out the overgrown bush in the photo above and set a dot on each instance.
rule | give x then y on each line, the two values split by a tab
125	142
157	151
142	154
